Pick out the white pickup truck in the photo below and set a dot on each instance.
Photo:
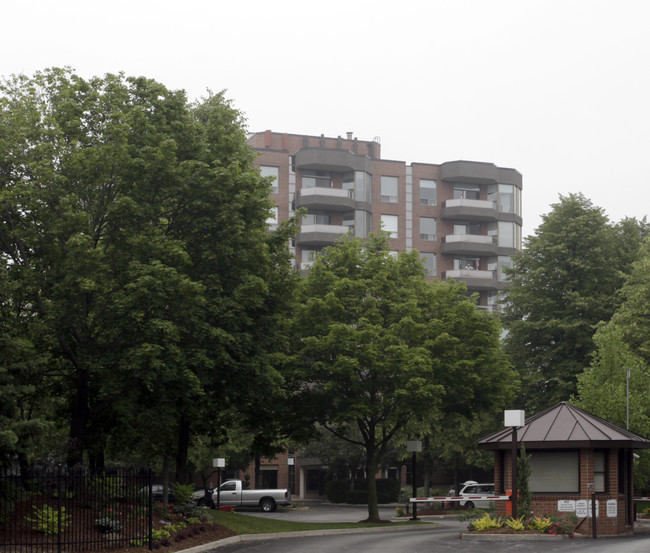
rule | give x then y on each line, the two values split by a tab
231	492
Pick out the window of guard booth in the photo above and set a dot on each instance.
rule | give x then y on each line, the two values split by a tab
389	189
427	228
389	223
600	471
463	191
316	179
429	262
555	471
270	171
427	192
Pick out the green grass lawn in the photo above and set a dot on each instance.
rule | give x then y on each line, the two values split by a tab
243	524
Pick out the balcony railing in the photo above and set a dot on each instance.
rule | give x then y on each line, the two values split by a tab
479	204
464	274
473	238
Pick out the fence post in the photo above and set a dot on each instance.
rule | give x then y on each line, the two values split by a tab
59	507
150	510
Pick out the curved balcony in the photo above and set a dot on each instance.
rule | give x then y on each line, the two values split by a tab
477	244
476	280
331	199
470	210
320	235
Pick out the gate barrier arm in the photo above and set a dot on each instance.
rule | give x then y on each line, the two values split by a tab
463	498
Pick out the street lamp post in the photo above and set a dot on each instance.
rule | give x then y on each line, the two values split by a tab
414	446
514	419
218	463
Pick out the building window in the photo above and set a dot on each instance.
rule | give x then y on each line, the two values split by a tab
316	179
427	228
389	189
362	224
389	224
556	471
316	218
427	192
464	191
429	262
347	220
268	171
362	186
347	183
467	228
466	263
600	471
272	219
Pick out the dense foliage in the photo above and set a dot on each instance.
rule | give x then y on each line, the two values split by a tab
382	350
563	284
140	287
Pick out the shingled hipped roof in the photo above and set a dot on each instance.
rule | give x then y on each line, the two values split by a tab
565	426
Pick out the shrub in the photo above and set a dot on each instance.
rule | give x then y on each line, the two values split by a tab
516	523
46	520
486	523
356	497
336	490
538	523
182	493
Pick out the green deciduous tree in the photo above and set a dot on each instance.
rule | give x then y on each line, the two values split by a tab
623	344
133	231
382	349
563	283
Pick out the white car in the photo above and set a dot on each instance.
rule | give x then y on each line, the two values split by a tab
473	489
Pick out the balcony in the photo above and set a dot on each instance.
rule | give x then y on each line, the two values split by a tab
332	199
476	280
321	235
476	244
470	210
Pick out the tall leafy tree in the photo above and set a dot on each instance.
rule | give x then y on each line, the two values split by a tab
623	345
563	283
132	225
382	349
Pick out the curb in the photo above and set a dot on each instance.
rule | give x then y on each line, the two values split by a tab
516	537
301	534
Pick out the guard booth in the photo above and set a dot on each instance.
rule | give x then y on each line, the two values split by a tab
574	454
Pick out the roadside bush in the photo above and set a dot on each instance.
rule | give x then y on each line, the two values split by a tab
336	490
356	497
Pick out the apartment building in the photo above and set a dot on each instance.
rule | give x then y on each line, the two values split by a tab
464	217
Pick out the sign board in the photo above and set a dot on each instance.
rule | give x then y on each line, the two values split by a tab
514	417
566	506
597	508
581	508
414	445
612	508
219	462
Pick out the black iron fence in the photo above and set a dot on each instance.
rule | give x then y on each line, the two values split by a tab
74	510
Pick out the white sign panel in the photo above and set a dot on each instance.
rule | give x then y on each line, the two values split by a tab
589	508
581	508
566	506
612	508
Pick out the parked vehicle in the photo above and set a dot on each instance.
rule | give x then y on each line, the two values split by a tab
232	492
472	488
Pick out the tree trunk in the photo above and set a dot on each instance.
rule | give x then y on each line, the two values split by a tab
371	471
165	480
257	472
78	420
182	472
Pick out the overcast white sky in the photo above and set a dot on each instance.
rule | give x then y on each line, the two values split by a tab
557	89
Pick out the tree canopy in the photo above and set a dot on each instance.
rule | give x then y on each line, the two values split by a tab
382	349
137	260
563	284
623	345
